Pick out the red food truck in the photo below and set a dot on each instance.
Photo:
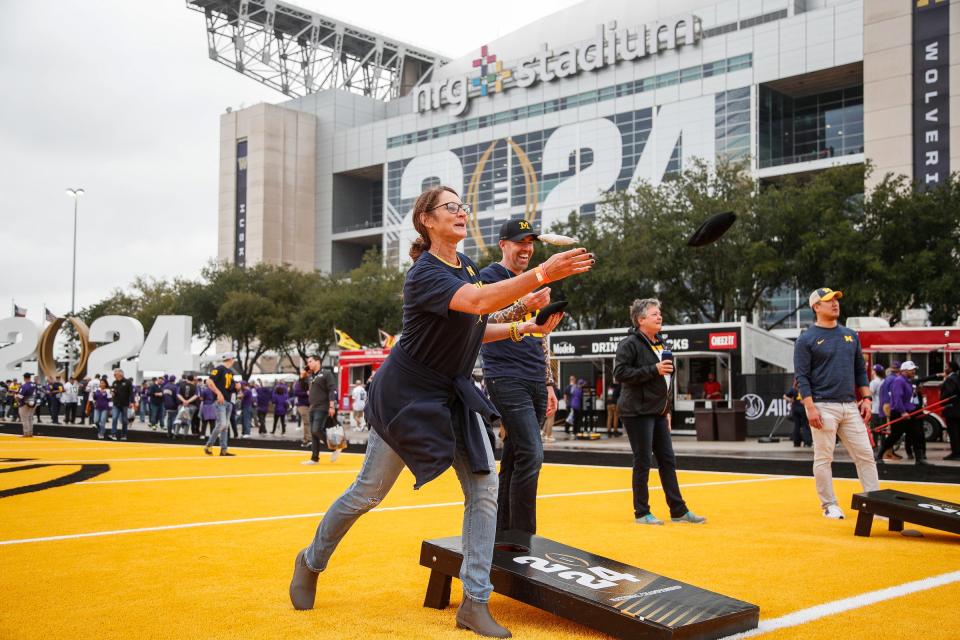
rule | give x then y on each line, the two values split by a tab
356	365
929	347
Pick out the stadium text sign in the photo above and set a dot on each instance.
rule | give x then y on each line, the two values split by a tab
611	45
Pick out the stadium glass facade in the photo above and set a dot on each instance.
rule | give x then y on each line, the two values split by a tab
546	120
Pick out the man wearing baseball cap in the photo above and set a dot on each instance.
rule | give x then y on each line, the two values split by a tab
520	383
832	379
882	400
220	382
906	398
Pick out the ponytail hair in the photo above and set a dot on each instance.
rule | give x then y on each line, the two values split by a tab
424	206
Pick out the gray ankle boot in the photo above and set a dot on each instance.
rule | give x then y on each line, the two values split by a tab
303	585
476	617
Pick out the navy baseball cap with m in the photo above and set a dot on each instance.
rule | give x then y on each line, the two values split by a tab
517	230
824	294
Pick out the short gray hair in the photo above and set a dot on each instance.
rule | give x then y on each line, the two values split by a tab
118	370
638	310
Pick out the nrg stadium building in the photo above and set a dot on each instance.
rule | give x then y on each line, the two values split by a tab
543	121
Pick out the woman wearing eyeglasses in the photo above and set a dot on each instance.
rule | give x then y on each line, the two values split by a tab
421	402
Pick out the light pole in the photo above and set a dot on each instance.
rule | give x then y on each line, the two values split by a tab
75	194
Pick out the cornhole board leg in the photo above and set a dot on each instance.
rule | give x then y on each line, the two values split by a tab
438	590
864	523
618	599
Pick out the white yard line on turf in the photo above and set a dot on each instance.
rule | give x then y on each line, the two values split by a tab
199	456
234	475
4	450
191	525
810	614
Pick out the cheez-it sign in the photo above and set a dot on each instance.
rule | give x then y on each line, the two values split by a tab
726	340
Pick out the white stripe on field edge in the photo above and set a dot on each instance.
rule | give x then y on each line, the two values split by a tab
810	614
190	525
234	475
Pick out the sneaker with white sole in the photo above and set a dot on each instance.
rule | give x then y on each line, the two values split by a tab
309	462
649	519
334	455
833	512
690	517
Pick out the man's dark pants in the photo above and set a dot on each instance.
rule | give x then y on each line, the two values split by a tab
156	415
522	405
912	430
319	419
650	434
801	429
55	410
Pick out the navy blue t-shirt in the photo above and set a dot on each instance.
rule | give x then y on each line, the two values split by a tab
506	358
433	334
829	364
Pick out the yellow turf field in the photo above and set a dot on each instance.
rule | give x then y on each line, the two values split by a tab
169	543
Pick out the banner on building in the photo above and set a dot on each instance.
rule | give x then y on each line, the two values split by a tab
931	92
240	231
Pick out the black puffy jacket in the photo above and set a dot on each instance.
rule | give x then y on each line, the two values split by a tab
643	390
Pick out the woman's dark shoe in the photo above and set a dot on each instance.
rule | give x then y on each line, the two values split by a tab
476	617
303	585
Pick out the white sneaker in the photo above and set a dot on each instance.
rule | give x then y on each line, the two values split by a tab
833	512
334	455
309	462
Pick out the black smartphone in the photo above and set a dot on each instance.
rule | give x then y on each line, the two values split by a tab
550	309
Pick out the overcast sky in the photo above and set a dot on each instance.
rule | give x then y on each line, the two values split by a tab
119	97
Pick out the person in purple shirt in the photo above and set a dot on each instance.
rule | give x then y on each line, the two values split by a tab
280	399
301	389
573	395
170	403
101	407
208	409
904	398
262	396
883	400
26	401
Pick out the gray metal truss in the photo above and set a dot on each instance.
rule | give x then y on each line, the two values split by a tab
298	52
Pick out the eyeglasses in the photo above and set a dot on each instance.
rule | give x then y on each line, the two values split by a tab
455	207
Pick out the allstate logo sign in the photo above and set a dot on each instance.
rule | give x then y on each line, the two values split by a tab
755	406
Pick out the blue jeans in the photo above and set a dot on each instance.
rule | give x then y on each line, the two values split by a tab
650	435
522	405
380	469
100	419
142	411
121	414
246	417
169	416
222	430
156	414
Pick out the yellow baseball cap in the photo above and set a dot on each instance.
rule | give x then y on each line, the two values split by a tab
823	294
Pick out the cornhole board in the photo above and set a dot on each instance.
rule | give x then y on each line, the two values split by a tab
597	592
900	507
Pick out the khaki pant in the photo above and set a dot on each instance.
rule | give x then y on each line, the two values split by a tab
304	423
26	418
841	419
613	417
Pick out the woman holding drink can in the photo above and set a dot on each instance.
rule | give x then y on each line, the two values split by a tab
644	367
